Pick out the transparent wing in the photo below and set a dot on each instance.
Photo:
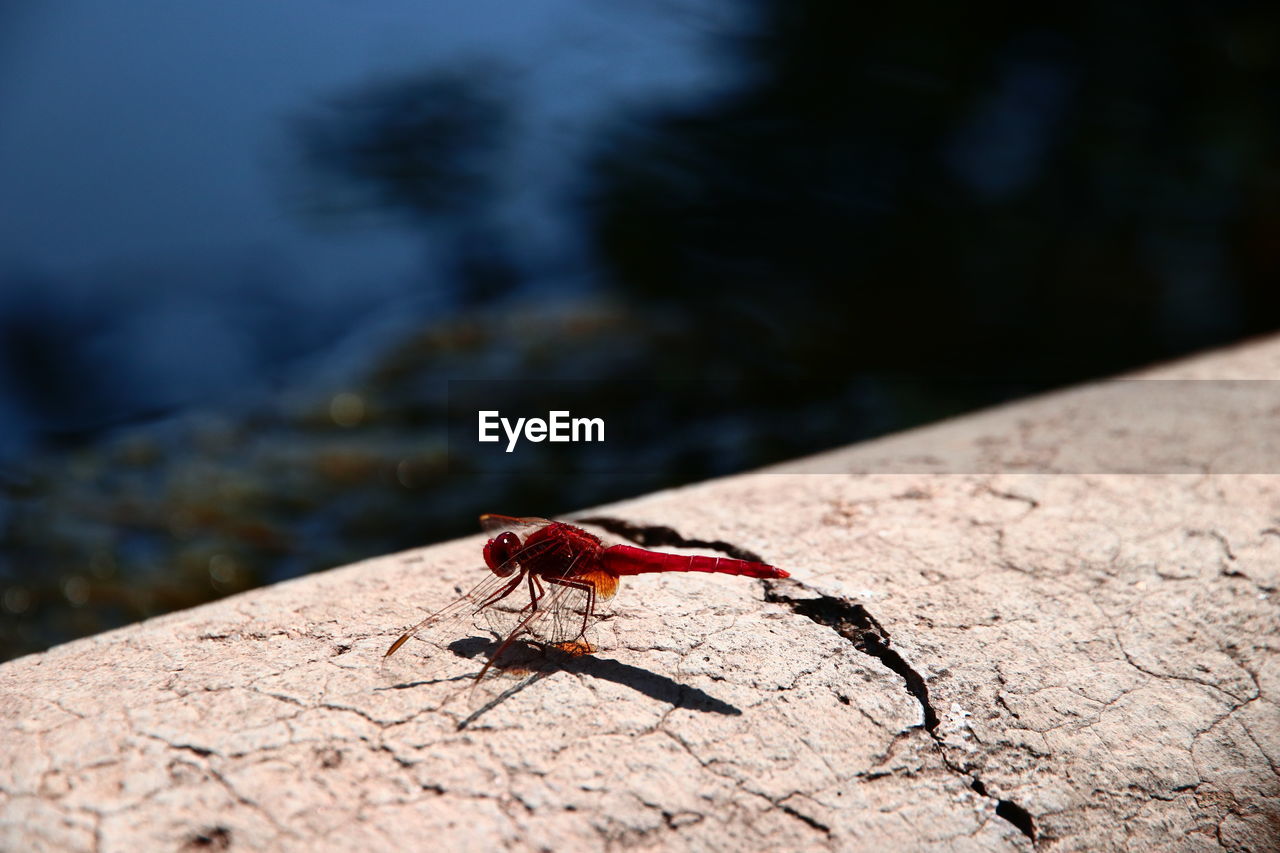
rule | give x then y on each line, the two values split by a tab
443	630
561	614
493	523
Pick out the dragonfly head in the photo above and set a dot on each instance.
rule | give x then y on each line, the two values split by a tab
499	551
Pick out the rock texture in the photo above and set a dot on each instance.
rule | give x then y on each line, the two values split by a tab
1025	655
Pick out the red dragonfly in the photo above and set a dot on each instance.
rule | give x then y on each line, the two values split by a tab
566	571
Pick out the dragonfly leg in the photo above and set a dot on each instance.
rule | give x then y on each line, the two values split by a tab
588	611
501	594
506	644
535	594
589	589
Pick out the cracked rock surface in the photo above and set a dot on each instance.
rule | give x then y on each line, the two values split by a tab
962	661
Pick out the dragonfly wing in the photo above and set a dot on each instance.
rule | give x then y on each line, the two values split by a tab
492	523
545	621
561	615
445	625
493	588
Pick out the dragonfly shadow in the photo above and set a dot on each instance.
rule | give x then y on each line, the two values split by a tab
650	684
408	685
540	662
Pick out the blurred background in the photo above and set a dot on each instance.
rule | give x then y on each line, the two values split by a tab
244	246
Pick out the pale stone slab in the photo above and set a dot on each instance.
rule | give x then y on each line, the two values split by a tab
962	662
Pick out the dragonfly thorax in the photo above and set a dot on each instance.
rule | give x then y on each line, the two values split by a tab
560	550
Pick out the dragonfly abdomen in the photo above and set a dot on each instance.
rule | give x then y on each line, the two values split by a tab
629	560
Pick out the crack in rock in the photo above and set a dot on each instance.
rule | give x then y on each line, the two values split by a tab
848	619
853	622
216	838
812	823
1009	810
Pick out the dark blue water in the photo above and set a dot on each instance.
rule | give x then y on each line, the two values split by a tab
159	240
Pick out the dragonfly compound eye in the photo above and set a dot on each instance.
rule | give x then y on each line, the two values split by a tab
498	553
